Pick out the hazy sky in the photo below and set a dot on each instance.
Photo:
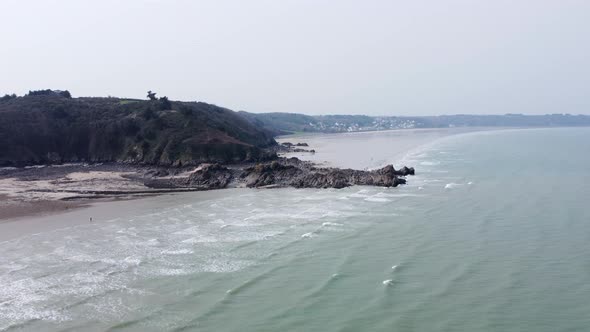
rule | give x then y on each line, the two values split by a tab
308	56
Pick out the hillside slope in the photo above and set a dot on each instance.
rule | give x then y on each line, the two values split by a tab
53	128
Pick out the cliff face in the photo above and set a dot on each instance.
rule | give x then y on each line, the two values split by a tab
42	129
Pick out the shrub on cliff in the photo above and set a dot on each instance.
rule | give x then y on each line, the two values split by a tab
7	97
49	92
165	104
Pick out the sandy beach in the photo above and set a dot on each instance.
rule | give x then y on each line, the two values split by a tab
41	190
11	208
37	195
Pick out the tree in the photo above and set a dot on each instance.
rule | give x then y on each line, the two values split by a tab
46	92
49	92
8	97
65	94
151	95
165	103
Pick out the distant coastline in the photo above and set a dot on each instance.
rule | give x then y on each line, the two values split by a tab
287	123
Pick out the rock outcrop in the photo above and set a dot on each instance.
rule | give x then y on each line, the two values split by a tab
214	176
205	177
283	172
295	173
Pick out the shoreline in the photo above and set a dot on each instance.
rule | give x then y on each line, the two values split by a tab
55	190
31	194
14	209
100	210
332	151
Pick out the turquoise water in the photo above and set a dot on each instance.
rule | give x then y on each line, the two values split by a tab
492	234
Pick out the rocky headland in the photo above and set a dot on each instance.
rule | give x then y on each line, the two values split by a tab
55	148
282	172
53	188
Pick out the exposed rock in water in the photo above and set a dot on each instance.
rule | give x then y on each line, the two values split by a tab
290	147
405	171
205	177
293	172
213	176
283	172
273	173
303	150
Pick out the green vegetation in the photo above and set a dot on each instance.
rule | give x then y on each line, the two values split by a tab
48	92
151	95
7	97
127	101
42	128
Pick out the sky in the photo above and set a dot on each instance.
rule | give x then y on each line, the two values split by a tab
374	57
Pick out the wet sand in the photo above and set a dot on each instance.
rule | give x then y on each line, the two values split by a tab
100	211
42	190
11	208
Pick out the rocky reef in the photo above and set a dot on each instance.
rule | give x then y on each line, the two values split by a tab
295	173
47	188
282	172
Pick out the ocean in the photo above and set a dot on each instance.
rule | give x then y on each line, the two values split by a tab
492	234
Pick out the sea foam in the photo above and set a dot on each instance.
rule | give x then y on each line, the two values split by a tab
332	224
377	199
452	185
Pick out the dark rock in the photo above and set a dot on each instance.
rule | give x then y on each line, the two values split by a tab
271	173
299	174
399	181
301	144
212	176
282	172
405	171
205	177
303	150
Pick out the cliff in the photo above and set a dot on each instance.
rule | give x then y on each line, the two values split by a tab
53	128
